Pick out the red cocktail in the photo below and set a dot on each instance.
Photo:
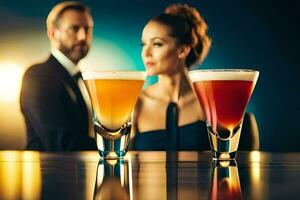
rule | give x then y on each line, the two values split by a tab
224	95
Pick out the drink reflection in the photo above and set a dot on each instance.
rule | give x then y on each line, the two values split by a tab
225	183
114	180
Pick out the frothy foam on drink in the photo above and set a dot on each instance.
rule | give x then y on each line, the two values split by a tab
226	74
118	75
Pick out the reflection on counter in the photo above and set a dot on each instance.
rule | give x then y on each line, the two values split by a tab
169	176
257	180
20	180
225	183
114	180
149	178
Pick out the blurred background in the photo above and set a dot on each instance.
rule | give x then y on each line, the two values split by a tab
262	35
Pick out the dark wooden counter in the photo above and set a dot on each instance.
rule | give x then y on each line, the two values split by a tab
148	175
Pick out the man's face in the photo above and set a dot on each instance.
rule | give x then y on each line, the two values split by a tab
73	34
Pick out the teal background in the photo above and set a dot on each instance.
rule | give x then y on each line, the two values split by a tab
261	35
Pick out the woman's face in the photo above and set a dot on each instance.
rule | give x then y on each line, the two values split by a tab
159	50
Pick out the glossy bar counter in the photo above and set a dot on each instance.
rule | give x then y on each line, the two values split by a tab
148	175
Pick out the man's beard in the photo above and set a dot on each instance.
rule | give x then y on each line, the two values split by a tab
76	52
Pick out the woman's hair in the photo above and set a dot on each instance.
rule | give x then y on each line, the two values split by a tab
188	28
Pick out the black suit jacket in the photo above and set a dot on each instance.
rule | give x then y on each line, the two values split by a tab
54	109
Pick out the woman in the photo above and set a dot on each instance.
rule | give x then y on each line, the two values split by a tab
168	114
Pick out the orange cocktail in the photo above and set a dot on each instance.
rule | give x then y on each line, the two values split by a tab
113	95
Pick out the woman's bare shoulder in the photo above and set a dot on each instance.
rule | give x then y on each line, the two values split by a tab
147	96
150	91
150	110
150	95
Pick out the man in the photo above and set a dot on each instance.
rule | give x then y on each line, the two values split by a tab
51	99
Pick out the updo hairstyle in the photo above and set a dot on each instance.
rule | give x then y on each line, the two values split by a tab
188	28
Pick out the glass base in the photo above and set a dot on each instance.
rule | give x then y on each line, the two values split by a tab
224	144
112	144
112	154
221	156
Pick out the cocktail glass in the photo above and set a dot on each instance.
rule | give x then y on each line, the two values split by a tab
224	95
113	96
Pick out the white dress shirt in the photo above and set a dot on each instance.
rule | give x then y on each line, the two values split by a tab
74	69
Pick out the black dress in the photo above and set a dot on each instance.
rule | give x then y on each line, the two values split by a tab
185	138
190	137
